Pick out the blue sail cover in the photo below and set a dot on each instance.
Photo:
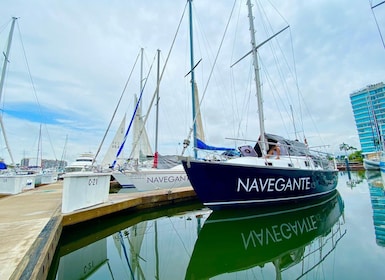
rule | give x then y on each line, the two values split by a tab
3	165
203	146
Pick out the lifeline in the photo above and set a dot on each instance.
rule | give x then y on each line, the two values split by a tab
273	184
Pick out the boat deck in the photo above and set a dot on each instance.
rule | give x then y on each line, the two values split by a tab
31	224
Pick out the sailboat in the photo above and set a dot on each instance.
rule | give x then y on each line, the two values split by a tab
44	176
12	181
149	175
275	170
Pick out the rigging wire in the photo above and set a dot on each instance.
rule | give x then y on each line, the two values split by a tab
375	19
116	108
161	76
209	78
280	62
235	100
34	89
299	93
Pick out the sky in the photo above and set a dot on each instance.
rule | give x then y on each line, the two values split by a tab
70	62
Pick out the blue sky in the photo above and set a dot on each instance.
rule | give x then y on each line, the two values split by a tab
70	61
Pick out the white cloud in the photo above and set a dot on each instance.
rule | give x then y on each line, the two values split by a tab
80	54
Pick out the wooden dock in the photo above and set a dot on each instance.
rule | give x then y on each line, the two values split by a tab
353	166
31	224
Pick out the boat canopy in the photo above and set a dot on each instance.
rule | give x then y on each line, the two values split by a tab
291	147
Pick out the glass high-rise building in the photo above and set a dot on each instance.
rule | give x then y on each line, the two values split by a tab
369	113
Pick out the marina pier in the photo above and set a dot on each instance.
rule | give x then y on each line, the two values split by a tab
31	224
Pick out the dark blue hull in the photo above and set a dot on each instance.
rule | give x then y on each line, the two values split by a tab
218	184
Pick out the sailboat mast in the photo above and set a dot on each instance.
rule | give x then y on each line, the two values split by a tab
192	78
157	104
3	78
156	155
257	79
39	150
7	56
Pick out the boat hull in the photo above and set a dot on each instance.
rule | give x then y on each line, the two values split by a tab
153	179
371	164
220	184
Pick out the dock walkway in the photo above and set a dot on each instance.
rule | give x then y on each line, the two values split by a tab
31	224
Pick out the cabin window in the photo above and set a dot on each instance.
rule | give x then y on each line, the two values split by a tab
290	165
268	163
307	164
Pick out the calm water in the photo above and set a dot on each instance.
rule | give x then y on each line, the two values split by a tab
339	237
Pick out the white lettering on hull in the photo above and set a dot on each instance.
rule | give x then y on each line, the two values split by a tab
279	233
273	184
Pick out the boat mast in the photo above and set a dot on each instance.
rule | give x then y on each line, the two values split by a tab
6	56
156	155
39	154
257	80
192	78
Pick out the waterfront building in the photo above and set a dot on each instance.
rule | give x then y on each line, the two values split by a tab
368	106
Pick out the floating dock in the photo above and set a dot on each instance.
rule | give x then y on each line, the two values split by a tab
31	224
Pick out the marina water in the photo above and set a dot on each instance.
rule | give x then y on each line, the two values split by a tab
341	236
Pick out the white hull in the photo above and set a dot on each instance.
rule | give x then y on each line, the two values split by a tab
14	184
372	161
371	164
49	178
46	178
153	179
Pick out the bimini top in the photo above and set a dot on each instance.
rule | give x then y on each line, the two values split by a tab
291	147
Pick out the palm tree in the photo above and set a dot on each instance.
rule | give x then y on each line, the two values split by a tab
346	148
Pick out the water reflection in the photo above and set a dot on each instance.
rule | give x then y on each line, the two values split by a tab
126	246
354	178
234	241
376	185
193	242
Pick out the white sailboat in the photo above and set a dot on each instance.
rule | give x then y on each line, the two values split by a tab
115	145
143	171
12	181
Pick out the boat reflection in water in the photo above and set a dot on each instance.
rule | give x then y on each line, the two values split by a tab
194	242
128	246
294	240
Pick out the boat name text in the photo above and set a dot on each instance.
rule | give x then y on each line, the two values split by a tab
167	179
273	184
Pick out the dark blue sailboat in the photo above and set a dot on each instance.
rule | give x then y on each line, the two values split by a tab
275	170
